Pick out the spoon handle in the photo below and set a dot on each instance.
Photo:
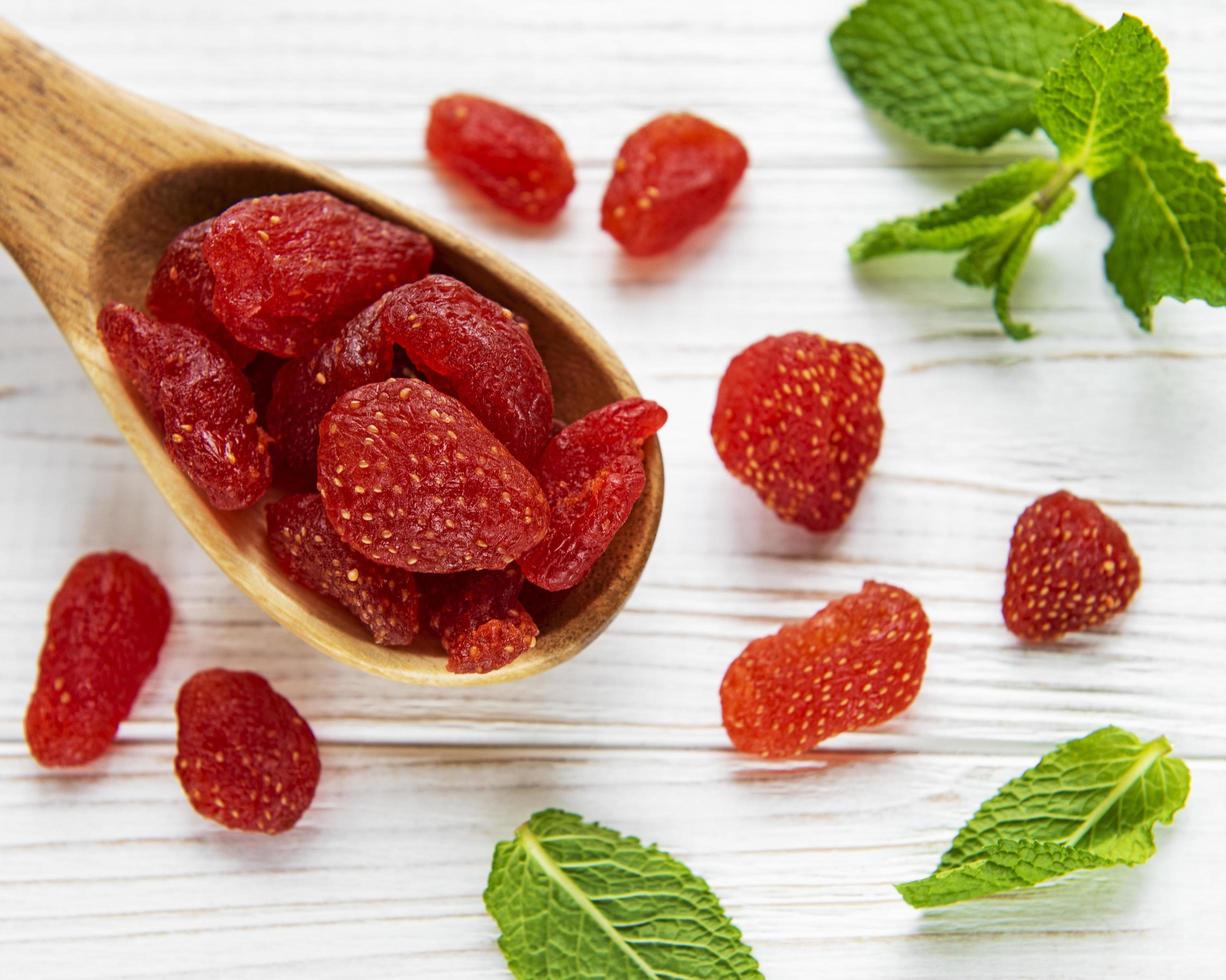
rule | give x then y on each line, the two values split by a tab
71	148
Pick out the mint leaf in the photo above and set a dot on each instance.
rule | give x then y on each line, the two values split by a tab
576	899
1089	803
1097	105
1167	209
995	221
955	71
1004	866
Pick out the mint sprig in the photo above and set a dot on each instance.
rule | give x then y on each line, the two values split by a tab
577	899
1089	803
963	72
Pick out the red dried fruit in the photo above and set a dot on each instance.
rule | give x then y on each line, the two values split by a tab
671	176
312	554
198	397
104	631
411	478
516	161
182	291
796	418
480	352
592	474
857	663
290	270
245	757
479	619
305	389
1070	567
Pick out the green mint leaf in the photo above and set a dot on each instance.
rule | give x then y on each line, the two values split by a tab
980	210
955	71
1097	105
1088	803
576	899
1004	866
995	221
1169	215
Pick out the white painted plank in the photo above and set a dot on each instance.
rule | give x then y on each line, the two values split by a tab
108	872
111	872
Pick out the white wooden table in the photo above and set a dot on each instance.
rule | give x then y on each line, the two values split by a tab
107	871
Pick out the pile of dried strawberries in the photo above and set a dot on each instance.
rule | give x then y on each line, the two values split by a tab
298	341
410	417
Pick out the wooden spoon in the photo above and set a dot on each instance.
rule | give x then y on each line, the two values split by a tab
94	183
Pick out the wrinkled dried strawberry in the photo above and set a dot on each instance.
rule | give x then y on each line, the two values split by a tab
479	619
104	632
312	554
592	474
671	176
245	757
411	478
198	397
1070	567
290	270
479	352
516	161
305	389
796	418
182	292
857	663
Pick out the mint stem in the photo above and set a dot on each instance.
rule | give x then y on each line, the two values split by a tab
1051	191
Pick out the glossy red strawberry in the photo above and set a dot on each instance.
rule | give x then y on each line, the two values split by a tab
515	160
858	662
479	619
1070	567
245	757
290	270
104	631
182	291
671	176
592	473
796	418
411	478
198	397
310	551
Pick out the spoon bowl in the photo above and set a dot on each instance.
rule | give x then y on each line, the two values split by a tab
95	182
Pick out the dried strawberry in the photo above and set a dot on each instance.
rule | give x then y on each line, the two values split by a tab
671	176
182	291
1070	567
198	397
411	478
312	554
592	474
245	757
305	389
480	352
479	619
857	663
104	632
796	418
516	161
290	270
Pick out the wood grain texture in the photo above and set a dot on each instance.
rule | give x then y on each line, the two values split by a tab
387	870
